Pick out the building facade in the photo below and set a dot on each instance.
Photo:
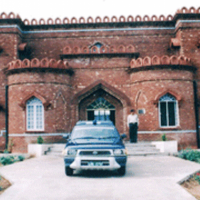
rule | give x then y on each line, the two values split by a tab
60	71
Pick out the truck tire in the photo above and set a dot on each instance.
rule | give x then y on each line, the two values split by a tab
122	170
68	171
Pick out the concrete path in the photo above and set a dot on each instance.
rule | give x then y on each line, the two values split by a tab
147	178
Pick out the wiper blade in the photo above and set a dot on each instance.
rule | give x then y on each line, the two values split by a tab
109	137
85	138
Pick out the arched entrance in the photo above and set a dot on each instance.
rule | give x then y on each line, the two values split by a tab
103	93
101	109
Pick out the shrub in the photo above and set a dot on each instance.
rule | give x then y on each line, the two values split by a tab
40	140
189	154
21	158
163	137
7	160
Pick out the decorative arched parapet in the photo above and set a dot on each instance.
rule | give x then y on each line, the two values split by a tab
90	20
82	20
34	22
121	49
41	21
114	19
167	91
50	21
58	21
44	101
67	50
85	50
4	15
112	49
52	63
94	50
36	65
154	18
18	64
155	60
26	63
133	63
139	62
11	15
44	63
100	84
60	64
174	60
74	20
35	62
26	22
182	60
169	18
138	18
76	50
122	19
130	18
130	49
65	20
98	20
146	18
165	60
106	19
147	61
104	49
162	18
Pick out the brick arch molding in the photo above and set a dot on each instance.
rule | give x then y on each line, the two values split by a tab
37	95
100	84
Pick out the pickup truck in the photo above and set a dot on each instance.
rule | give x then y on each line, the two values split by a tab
95	145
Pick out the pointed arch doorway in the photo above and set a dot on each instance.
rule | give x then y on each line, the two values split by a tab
101	109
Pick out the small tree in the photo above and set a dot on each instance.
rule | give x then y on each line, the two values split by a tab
40	140
164	138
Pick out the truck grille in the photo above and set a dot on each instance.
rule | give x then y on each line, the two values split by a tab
94	153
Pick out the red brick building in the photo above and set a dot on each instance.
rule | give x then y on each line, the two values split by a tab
60	71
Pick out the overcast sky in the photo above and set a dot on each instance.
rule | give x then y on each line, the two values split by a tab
76	8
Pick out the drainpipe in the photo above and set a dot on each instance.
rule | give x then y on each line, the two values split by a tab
196	112
6	120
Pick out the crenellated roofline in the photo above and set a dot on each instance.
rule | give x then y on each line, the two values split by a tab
98	21
175	62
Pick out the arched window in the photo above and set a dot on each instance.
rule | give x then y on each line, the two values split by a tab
34	115
168	110
101	109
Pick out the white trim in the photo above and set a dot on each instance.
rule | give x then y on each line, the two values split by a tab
36	134
162	132
63	134
187	21
85	30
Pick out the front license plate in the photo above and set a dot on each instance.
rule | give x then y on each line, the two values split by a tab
95	163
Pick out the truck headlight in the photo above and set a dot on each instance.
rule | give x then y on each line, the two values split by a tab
69	152
119	152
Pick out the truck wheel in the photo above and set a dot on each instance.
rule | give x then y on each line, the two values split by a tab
122	170
68	171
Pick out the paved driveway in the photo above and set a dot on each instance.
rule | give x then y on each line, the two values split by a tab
147	178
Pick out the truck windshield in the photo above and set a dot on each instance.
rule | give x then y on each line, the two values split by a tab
94	133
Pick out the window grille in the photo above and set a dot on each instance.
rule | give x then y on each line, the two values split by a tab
168	111
34	115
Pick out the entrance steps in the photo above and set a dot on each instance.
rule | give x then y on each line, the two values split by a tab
133	149
56	149
142	149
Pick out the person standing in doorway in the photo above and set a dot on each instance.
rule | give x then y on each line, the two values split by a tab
132	123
